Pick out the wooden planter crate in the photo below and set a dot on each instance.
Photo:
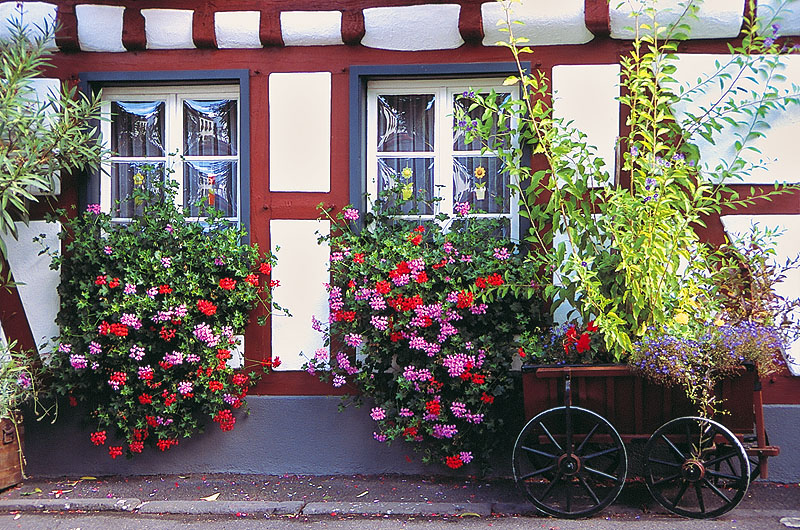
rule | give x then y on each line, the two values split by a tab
10	456
635	406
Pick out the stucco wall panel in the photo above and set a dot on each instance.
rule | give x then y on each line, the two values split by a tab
302	271
32	15
717	19
412	28
168	28
785	14
237	29
544	22
300	131
311	28
38	289
100	28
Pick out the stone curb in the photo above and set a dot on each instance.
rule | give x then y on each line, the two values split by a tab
221	507
88	505
397	508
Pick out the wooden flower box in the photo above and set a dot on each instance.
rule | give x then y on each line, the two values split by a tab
634	405
10	456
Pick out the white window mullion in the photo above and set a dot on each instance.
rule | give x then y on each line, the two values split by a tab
174	128
372	149
105	173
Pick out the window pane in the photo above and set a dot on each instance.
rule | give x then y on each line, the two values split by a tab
405	123
137	128
211	181
475	114
480	182
210	127
125	176
414	174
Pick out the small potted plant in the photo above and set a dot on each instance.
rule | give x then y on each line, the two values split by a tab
19	379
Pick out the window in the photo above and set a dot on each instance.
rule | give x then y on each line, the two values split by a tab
191	130
411	141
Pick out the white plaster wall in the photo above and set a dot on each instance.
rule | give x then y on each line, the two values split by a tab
716	19
300	131
168	28
412	28
237	29
32	15
311	28
302	270
39	294
46	89
787	246
778	157
543	22
100	28
597	114
782	12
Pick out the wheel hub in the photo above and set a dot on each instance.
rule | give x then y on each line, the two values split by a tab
693	470
569	464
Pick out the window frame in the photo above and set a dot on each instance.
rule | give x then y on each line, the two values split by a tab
93	82
444	152
359	79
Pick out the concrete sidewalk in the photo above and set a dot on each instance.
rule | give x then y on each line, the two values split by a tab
398	495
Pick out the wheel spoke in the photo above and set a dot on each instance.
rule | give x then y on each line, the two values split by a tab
588	436
588	489
674	447
601	453
550	437
569	496
716	490
719	459
664	462
568	424
599	473
538	452
717	474
547	491
537	472
666	479
679	496
699	492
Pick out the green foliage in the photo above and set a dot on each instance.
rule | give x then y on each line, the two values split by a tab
38	139
423	321
20	376
149	313
622	250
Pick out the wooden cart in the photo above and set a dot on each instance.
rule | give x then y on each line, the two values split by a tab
571	460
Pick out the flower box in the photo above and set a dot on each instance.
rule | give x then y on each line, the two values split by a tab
635	406
10	455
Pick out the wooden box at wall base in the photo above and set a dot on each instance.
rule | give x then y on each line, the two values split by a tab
10	455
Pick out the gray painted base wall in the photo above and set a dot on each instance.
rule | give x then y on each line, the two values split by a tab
300	435
783	428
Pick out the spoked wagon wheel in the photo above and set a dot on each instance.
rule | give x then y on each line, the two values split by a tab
570	462
695	467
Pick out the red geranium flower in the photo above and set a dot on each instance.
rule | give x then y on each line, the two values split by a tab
227	283
100	280
215	386
454	462
464	299
583	343
383	287
115	450
113	283
252	279
206	307
164	289
265	268
98	438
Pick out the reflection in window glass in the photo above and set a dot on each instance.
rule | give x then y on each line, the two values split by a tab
209	127
405	123
414	175
480	182
126	176
137	128
212	183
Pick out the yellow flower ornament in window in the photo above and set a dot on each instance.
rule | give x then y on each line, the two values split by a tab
480	184
408	185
